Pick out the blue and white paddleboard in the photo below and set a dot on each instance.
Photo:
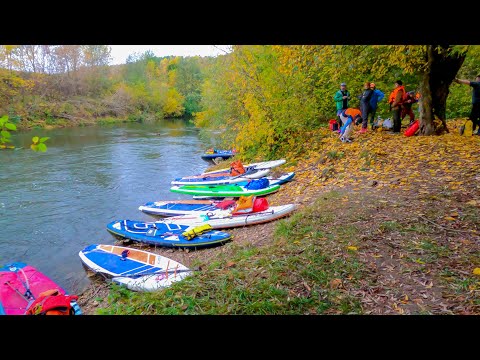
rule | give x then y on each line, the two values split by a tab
168	235
138	270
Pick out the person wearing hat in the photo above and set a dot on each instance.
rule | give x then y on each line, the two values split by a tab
341	98
410	99
377	96
475	112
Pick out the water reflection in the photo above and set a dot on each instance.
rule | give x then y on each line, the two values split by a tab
53	204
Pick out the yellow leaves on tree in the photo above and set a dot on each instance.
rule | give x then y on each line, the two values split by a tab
173	105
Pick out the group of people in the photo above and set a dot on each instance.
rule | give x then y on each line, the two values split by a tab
399	100
400	103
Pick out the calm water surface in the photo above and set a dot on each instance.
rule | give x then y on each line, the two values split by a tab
53	204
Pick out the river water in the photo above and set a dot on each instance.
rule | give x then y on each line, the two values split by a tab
53	204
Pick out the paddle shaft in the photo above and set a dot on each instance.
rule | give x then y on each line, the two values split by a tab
155	273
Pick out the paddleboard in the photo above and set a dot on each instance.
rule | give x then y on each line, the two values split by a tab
168	235
21	284
223	219
218	179
136	269
231	190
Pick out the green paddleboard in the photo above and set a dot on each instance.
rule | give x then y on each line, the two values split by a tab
231	190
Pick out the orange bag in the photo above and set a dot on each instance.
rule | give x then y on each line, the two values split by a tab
236	168
244	205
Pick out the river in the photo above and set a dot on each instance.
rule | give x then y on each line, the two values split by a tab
55	203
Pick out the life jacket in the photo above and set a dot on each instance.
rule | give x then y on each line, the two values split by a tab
52	302
191	233
244	205
393	95
236	168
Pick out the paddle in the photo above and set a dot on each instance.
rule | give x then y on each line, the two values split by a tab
27	299
159	272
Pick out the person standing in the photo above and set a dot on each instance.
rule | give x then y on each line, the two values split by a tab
395	100
475	112
341	98
365	105
410	99
374	100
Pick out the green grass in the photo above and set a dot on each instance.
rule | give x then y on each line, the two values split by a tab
308	267
293	275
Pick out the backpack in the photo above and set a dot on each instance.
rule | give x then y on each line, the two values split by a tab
333	125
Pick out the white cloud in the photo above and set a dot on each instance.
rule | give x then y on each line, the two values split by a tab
120	52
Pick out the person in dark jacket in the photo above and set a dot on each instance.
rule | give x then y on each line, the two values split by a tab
365	105
341	98
377	96
475	112
407	106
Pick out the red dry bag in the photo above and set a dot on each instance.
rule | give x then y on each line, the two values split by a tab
412	129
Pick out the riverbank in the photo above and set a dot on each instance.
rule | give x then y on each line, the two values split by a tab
72	121
386	225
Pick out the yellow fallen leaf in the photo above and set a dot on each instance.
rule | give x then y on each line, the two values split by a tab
449	218
335	283
476	271
472	202
353	248
454	214
296	242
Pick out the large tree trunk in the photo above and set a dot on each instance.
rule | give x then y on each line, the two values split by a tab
442	67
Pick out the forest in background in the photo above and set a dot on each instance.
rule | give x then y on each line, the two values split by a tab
264	98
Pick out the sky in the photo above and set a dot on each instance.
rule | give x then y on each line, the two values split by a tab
120	53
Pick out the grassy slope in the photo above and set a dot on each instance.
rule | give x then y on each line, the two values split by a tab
386	225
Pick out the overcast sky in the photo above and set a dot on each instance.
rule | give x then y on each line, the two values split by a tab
120	52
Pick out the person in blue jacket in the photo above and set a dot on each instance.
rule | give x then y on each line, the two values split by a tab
377	96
